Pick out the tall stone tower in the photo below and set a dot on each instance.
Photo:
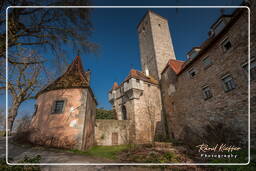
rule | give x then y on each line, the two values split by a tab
155	43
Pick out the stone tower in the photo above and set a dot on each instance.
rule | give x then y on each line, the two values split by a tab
155	43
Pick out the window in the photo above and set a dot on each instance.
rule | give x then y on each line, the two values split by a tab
219	27
207	93
226	45
229	83
124	113
207	62
192	73
252	69
138	81
58	106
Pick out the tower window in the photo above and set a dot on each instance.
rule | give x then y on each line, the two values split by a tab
226	45
124	113
58	107
207	93
229	83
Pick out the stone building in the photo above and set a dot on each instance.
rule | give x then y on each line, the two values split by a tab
138	100
206	97
201	100
65	111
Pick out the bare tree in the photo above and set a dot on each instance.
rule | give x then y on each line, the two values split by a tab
48	27
26	78
40	29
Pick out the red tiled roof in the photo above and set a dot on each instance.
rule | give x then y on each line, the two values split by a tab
137	75
141	76
115	86
74	77
175	65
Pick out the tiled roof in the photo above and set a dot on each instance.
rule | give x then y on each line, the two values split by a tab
176	65
141	76
74	77
137	75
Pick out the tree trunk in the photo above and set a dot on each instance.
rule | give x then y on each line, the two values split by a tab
12	114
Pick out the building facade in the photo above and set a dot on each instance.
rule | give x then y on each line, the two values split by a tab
206	100
65	111
138	100
203	99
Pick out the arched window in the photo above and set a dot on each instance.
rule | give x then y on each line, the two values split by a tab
124	113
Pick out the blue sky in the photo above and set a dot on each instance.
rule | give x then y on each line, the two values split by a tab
115	33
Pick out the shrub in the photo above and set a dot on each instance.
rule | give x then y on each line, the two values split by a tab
105	114
4	166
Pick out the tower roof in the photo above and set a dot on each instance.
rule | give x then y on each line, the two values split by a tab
115	86
175	65
73	77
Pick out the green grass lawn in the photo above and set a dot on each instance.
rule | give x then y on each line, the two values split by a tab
109	152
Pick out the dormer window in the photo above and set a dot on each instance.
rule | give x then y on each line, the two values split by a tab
193	52
192	73
219	26
226	45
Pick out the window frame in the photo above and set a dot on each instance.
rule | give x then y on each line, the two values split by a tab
207	96
54	106
245	68
233	84
222	45
189	72
210	64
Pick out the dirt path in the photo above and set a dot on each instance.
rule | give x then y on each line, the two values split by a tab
18	152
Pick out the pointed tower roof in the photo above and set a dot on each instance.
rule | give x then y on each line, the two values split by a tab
74	77
115	86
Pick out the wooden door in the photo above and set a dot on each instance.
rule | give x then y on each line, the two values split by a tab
114	138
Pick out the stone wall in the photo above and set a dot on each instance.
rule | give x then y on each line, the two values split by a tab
148	116
143	106
89	121
222	118
112	132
